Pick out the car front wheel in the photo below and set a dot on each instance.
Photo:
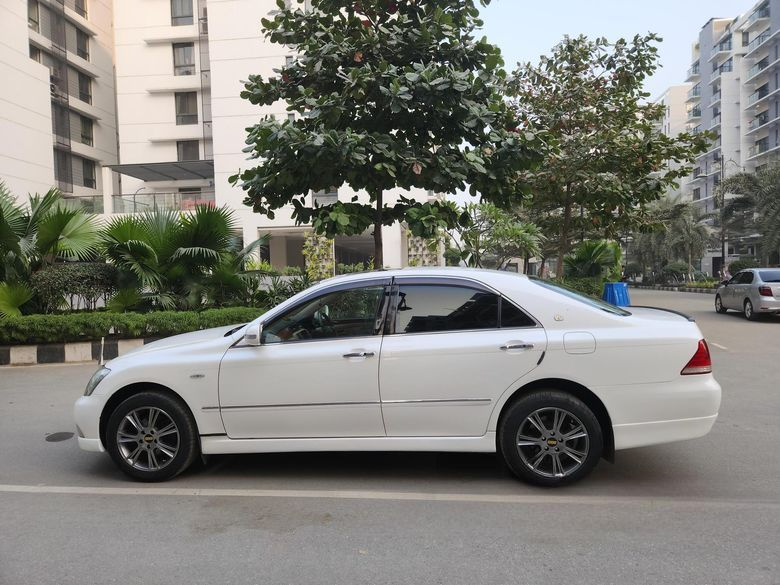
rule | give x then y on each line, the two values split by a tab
151	436
719	305
550	438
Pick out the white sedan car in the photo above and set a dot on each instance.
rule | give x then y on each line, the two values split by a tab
411	360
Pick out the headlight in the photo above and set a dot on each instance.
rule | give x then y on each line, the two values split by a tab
95	380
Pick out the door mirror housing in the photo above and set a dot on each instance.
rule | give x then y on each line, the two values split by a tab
253	334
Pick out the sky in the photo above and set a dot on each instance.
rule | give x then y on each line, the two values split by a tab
525	29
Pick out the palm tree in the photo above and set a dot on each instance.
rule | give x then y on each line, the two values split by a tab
178	260
688	238
756	208
593	259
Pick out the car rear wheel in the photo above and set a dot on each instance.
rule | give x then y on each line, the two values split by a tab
151	436
719	305
750	314
550	438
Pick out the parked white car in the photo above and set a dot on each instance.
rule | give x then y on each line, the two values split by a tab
411	360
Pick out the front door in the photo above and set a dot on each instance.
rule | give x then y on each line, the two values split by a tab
315	373
451	352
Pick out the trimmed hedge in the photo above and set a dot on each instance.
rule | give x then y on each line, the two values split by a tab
586	285
33	329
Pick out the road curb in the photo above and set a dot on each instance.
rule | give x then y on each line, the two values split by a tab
65	353
706	291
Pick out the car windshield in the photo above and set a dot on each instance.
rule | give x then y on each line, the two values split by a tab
769	275
578	296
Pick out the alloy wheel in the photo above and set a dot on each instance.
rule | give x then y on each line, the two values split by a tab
552	442
148	438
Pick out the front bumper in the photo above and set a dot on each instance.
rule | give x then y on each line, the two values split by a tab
86	413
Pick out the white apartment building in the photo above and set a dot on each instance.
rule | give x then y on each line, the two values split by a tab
735	72
160	84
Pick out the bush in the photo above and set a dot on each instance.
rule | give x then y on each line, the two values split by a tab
94	325
71	284
742	264
589	286
634	269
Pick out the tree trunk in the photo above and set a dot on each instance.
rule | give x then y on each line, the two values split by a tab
563	244
525	264
379	262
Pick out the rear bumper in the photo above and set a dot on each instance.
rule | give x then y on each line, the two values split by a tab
665	431
767	305
650	414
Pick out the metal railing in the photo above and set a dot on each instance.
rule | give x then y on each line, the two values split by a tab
694	70
694	92
140	202
758	121
762	12
759	147
758	41
760	94
88	203
694	113
715	121
758	67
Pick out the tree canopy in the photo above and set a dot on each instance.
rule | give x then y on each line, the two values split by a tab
606	159
386	94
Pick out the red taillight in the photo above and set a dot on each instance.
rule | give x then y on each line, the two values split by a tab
765	291
700	362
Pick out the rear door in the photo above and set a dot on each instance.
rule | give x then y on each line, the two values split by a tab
452	348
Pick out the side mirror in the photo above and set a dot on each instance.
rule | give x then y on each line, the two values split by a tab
253	334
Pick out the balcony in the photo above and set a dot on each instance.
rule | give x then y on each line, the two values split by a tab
141	202
693	72
759	147
694	93
715	98
726	67
88	203
694	113
758	41
757	68
760	94
759	15
697	129
715	122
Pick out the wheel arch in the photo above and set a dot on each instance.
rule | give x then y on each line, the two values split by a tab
577	390
131	389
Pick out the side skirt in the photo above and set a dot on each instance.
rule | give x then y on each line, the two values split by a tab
223	445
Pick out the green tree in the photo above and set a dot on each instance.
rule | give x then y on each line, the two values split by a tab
756	207
688	237
606	160
593	259
389	94
493	236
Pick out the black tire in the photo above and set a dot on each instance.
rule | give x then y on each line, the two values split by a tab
719	305
750	313
154	453
535	462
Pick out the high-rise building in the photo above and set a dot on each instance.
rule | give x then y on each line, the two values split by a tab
139	108
735	95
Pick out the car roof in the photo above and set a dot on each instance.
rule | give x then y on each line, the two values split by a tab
479	274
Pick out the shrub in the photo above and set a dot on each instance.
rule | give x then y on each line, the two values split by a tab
94	325
742	264
634	269
74	284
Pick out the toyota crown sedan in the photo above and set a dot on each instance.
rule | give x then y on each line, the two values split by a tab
411	360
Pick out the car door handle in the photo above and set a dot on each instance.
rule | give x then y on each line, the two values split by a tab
516	345
359	354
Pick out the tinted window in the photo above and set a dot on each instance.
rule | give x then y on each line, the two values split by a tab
426	308
511	316
745	278
769	275
347	313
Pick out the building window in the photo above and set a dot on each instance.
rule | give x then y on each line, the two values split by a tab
85	88
89	173
186	108
35	54
187	150
181	12
63	172
696	194
87	131
33	15
80	6
184	59
82	44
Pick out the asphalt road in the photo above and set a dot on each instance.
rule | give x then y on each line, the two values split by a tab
699	512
